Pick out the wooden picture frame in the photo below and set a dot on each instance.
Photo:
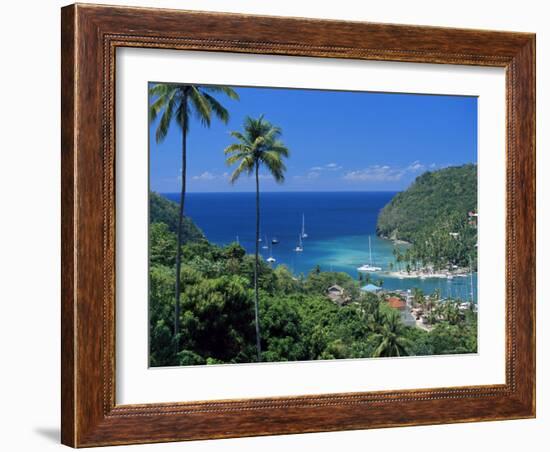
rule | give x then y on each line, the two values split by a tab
90	36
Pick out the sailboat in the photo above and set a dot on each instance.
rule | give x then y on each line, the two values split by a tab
265	246
304	234
271	259
300	247
369	267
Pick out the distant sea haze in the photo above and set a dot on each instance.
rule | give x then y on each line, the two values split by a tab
338	226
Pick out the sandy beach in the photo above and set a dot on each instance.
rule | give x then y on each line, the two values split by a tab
425	273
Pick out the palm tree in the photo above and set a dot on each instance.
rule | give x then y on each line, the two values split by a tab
451	312
391	341
258	145
418	296
372	313
175	103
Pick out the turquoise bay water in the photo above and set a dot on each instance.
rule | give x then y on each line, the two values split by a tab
338	225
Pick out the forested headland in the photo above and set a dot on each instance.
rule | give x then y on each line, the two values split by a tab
437	214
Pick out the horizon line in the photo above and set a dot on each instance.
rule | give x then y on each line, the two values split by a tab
278	191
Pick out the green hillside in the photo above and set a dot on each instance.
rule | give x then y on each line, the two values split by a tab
161	210
431	211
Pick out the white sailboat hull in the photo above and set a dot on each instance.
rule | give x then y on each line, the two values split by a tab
369	268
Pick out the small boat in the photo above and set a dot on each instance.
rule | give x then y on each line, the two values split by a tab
299	248
265	246
271	259
274	240
259	239
369	267
304	234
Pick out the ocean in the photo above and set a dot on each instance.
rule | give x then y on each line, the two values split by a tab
338	225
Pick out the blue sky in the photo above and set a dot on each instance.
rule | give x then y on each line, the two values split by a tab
338	140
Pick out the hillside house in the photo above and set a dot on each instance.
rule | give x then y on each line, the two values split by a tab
400	305
338	295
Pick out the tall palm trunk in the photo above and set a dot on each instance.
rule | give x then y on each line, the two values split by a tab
180	220
256	264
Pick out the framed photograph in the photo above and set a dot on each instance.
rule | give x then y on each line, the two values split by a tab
281	225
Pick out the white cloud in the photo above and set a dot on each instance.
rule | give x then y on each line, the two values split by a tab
205	176
311	175
316	171
374	173
210	176
383	173
415	166
327	167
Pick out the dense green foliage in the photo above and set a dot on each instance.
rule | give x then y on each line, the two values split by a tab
162	210
297	320
432	214
430	200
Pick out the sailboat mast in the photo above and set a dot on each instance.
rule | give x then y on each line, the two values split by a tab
471	281
370	253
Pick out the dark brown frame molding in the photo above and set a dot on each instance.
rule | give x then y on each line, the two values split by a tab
90	35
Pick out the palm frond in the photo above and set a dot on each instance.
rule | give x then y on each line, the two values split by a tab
156	107
258	142
160	89
242	138
255	128
219	110
236	147
160	95
229	92
201	106
166	118
231	160
257	145
275	165
280	149
272	132
246	165
381	349
169	101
